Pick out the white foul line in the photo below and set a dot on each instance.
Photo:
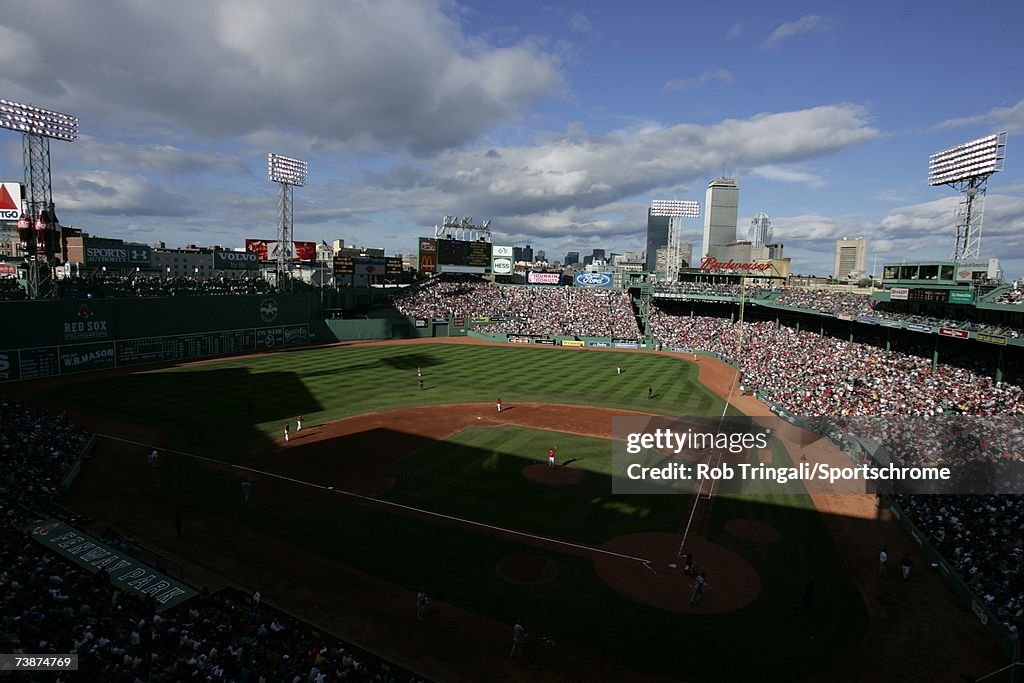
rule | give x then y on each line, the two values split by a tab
388	503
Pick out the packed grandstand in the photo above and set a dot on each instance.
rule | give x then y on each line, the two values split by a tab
51	606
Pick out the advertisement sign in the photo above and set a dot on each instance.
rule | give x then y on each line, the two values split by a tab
844	316
428	255
546	342
598	344
890	323
10	201
866	320
97	254
86	357
393	265
344	265
270	250
959	296
899	294
235	260
627	345
955	333
711	263
7	270
480	319
593	280
420	322
501	259
992	339
570	342
125	571
918	327
540	277
518	340
10	369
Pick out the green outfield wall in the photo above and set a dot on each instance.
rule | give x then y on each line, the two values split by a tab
56	337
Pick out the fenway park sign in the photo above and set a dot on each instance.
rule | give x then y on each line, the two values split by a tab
711	263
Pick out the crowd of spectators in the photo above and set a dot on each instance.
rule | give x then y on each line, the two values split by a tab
133	285
538	310
712	289
1013	296
853	304
900	401
982	537
11	290
50	606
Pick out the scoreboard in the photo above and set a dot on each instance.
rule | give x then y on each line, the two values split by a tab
462	256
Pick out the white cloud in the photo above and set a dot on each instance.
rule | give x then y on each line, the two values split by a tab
579	23
398	72
1010	119
720	76
788	175
808	23
735	31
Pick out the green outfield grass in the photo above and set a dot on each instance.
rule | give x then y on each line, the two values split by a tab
228	408
476	474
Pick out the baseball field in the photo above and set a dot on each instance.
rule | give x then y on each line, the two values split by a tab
390	488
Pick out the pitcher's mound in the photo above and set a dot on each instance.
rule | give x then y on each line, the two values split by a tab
527	570
559	476
753	531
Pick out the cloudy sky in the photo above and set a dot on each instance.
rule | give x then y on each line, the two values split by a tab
558	122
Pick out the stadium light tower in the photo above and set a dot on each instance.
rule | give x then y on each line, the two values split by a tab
288	173
37	127
676	210
967	167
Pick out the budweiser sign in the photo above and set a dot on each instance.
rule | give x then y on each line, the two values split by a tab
711	263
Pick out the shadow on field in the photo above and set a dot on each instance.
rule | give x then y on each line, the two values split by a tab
283	535
214	412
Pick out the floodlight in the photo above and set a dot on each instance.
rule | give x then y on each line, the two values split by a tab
981	157
286	170
675	207
30	120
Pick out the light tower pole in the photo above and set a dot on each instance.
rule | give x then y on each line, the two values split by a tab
288	173
675	210
967	168
38	227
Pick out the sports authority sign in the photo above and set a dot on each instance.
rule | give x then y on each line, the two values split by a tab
10	201
711	263
98	254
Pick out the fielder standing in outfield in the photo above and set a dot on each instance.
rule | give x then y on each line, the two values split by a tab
419	371
551	458
618	369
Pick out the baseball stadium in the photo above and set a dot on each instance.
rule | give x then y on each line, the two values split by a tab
370	494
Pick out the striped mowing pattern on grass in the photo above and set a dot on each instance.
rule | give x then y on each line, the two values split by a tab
208	405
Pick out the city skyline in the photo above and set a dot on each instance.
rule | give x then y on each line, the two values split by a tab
558	123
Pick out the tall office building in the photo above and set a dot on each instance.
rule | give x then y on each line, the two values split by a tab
657	237
721	212
598	254
851	258
760	232
572	258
